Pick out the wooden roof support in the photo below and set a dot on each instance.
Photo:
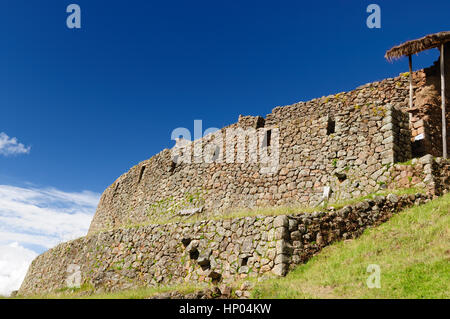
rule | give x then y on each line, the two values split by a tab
411	90
437	40
444	125
415	46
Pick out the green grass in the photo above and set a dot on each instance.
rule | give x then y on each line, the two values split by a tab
140	293
412	250
278	210
407	163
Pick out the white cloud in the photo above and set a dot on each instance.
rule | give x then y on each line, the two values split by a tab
14	262
34	217
10	146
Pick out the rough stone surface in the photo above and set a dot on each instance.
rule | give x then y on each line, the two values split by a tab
351	143
157	254
370	133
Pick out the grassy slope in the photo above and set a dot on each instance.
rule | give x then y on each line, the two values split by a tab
140	293
412	249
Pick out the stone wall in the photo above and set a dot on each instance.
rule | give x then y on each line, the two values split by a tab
350	142
426	115
306	235
343	141
441	176
427	173
159	254
206	251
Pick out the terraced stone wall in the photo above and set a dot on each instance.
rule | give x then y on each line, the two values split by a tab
344	142
208	251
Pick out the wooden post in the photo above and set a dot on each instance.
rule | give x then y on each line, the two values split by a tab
444	125
411	92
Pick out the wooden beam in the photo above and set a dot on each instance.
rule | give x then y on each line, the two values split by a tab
411	90
444	125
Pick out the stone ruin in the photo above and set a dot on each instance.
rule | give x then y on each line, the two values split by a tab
348	145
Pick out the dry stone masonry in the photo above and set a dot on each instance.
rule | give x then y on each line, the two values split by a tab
207	251
342	142
352	144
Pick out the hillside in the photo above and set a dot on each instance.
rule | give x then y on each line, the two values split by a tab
412	250
321	152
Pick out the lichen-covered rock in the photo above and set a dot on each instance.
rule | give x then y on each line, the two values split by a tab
348	145
175	253
344	141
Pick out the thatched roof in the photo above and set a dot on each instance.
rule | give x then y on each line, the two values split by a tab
415	46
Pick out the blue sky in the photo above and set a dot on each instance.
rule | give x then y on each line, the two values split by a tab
86	105
94	102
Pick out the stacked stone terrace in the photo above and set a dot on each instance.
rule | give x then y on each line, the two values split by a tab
344	141
351	142
208	251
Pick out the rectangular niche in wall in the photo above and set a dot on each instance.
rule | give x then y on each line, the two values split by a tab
331	126
141	173
267	138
